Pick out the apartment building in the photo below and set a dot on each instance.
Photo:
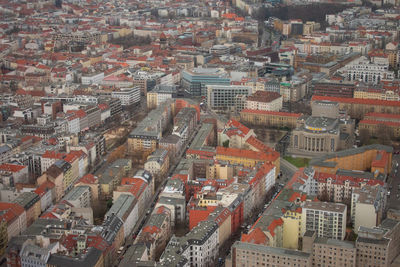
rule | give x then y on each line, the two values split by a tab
79	197
365	70
368	204
146	135
263	100
269	118
326	219
334	88
197	248
125	207
357	107
248	255
157	163
30	201
378	246
374	123
329	252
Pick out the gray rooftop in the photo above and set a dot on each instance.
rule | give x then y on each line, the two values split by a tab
201	136
322	160
121	206
335	242
271	250
76	192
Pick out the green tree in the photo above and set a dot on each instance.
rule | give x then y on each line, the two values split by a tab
225	143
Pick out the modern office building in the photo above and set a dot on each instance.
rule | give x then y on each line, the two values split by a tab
128	96
194	81
223	97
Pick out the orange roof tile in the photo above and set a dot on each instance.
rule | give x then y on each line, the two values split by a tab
255	237
375	102
10	211
11	167
276	113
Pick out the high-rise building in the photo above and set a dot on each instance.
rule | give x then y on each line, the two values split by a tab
326	219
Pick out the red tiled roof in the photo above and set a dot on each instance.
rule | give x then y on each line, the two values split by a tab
381	160
276	113
152	229
255	237
257	144
322	177
374	122
88	179
382	115
135	186
273	225
11	167
43	188
263	96
10	211
375	102
52	154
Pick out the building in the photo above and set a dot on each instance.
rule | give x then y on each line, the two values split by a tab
128	96
329	252
30	201
156	232
223	97
160	94
19	173
199	247
375	124
111	177
357	107
246	254
93	182
79	197
248	158
147	134
46	192
173	144
334	88
264	100
235	133
136	187
367	71
376	158
368	204
326	219
378	246
194	81
325	131
15	218
382	91
125	207
269	118
157	163
5	154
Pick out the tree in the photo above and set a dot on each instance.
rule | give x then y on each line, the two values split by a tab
225	143
364	136
384	135
109	203
118	153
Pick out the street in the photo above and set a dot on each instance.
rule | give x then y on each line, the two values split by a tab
143	218
393	201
